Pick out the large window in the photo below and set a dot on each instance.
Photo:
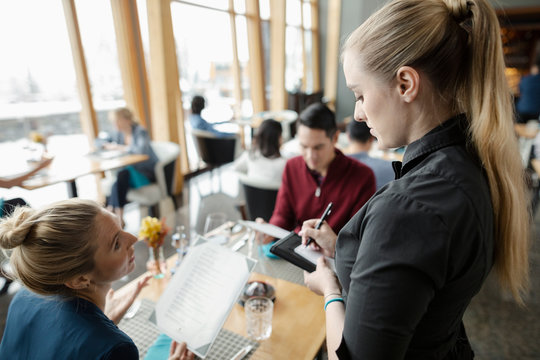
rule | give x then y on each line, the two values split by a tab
38	93
246	108
38	90
38	82
309	71
294	65
298	46
205	58
101	54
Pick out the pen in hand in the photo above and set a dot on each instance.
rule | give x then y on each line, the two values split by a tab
320	222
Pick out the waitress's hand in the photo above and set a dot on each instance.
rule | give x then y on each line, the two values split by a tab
325	238
323	280
116	307
180	352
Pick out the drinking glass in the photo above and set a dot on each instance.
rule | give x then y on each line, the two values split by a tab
259	311
180	241
213	221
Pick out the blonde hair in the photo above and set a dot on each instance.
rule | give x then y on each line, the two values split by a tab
124	113
50	246
457	44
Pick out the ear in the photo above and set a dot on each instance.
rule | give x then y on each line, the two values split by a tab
335	137
408	83
78	283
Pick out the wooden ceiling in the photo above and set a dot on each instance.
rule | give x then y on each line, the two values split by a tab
520	28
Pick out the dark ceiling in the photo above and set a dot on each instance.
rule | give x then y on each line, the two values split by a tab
520	35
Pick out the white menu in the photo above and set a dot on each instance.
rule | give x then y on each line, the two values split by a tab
201	294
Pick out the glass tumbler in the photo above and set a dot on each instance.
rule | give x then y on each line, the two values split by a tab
259	311
211	231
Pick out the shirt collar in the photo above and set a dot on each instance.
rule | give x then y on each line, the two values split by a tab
335	162
317	176
451	132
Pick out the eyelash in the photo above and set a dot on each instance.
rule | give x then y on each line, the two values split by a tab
116	245
359	98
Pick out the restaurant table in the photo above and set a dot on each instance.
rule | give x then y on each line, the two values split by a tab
68	169
298	324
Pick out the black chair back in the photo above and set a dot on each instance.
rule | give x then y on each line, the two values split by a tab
259	202
216	151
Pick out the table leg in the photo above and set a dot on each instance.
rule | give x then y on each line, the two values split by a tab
72	189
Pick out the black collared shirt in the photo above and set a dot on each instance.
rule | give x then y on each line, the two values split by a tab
417	252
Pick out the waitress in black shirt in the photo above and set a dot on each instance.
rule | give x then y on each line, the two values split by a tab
428	74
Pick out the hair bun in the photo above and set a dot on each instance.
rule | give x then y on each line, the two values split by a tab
14	229
460	10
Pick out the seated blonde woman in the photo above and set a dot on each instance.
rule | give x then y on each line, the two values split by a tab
67	255
132	138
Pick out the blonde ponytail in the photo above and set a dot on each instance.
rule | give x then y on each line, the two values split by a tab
489	105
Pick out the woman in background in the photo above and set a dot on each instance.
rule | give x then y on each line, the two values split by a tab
428	74
131	138
264	161
67	255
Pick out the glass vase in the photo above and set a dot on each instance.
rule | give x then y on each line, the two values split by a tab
156	263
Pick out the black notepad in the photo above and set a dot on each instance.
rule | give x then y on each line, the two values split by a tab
284	248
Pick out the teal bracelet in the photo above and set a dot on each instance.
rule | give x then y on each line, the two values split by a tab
332	300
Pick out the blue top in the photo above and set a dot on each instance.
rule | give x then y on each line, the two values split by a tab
197	122
381	168
50	327
140	144
529	98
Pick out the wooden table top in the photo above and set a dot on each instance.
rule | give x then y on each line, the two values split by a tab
64	169
298	325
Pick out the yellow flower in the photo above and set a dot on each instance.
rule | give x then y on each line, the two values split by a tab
153	231
37	137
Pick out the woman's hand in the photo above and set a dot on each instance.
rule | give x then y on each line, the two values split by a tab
111	146
46	160
115	307
7	183
325	238
323	280
180	352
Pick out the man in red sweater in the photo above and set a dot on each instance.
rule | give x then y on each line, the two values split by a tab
321	174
